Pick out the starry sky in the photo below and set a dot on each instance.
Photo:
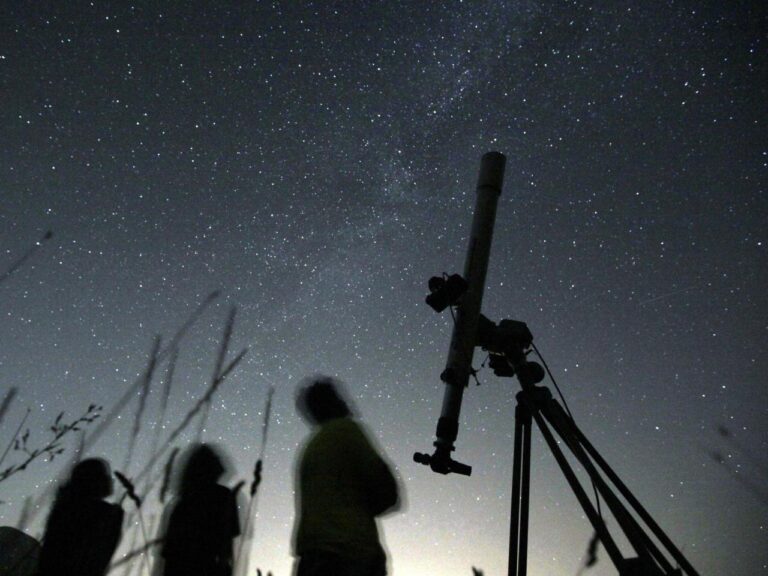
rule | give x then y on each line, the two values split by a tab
315	162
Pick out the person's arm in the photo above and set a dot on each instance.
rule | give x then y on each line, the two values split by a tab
380	484
113	527
100	538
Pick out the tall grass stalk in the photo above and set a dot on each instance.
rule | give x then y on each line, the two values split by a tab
146	384
130	393
220	358
26	256
255	482
7	402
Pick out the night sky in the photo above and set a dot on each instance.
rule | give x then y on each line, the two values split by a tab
316	163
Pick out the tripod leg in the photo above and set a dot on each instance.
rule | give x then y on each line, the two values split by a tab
646	549
634	502
525	490
514	520
605	537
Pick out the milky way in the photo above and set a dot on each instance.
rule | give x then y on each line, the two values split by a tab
316	163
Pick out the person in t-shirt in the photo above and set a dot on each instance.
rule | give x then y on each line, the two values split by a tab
343	486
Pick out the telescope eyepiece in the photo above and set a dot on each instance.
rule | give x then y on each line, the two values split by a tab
442	464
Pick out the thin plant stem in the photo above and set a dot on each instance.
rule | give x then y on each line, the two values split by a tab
119	406
7	401
248	531
15	435
143	393
26	256
220	358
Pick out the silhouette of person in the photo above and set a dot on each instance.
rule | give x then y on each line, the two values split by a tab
204	519
343	485
83	530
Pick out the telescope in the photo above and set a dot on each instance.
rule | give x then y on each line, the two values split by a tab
508	344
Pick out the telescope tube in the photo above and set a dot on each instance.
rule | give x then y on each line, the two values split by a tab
463	339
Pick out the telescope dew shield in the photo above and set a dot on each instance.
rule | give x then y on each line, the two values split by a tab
459	363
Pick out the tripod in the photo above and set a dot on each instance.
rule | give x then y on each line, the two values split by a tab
508	343
536	403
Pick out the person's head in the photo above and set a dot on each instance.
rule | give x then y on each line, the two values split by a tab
202	466
319	400
90	478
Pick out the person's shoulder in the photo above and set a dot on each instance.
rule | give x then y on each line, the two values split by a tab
339	428
113	509
105	510
334	435
100	505
343	424
349	431
222	493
